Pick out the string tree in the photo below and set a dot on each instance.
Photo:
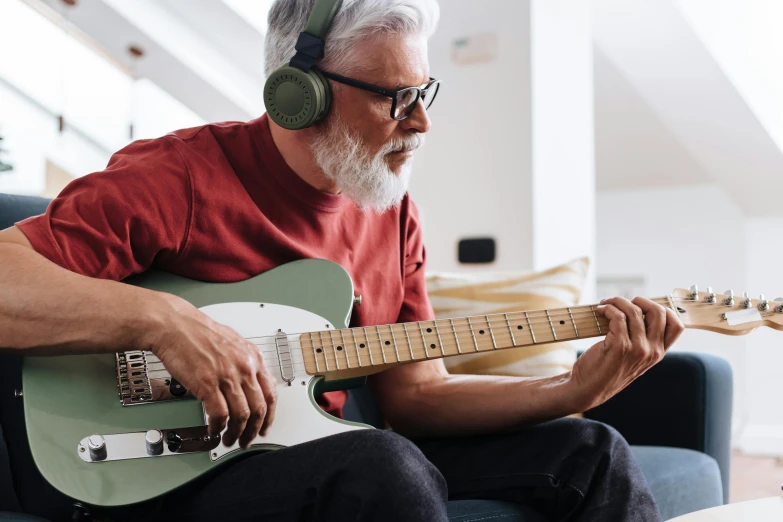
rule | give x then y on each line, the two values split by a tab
729	301
711	298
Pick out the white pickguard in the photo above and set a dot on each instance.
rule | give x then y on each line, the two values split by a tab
297	418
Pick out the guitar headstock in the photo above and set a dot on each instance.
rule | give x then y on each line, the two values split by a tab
726	313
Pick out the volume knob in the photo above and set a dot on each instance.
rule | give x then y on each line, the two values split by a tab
154	442
97	446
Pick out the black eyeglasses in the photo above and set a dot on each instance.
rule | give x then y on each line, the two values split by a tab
403	100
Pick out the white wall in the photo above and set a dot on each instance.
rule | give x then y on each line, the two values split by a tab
494	164
472	178
680	236
763	432
563	173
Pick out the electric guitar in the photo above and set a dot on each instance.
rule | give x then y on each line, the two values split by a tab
112	430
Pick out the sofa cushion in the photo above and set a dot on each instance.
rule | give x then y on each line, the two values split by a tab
681	480
16	208
494	292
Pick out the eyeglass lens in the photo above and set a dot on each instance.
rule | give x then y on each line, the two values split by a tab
406	100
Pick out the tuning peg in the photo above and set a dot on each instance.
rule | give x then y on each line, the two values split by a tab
764	304
729	301
746	302
779	307
694	292
711	298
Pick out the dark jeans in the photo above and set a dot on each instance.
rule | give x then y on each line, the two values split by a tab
568	469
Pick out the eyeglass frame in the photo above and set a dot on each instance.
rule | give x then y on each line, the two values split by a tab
389	93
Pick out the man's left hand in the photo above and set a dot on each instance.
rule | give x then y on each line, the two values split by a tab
640	333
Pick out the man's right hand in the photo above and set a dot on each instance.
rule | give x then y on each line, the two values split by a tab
221	368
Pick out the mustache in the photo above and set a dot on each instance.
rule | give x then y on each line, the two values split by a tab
406	144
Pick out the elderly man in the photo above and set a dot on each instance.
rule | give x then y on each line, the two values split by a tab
228	201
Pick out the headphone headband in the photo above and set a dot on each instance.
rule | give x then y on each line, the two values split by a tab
310	45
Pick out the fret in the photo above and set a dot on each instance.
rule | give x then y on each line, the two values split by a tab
323	349
356	346
489	327
369	348
456	337
530	325
408	337
345	349
440	341
424	340
671	304
334	349
473	334
315	356
576	332
380	341
554	334
592	308
510	330
394	342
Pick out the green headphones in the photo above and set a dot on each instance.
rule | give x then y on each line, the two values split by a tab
298	96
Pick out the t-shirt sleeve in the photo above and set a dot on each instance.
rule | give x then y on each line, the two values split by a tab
118	222
415	305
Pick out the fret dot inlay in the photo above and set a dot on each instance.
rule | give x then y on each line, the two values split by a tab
562	322
519	327
388	343
318	350
429	330
432	346
481	332
339	348
361	345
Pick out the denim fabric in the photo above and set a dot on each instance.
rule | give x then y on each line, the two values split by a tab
568	469
490	511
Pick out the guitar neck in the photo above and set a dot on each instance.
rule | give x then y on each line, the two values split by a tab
353	352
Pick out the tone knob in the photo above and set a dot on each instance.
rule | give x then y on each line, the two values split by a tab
97	446
154	441
173	441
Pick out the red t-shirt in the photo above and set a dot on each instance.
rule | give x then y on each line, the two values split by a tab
219	203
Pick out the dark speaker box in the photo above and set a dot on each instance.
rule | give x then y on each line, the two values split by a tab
476	250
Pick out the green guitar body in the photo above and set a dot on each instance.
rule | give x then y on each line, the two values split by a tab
68	398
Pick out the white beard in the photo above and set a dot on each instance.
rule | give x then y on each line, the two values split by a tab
363	178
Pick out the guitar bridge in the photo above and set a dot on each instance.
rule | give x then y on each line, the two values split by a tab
142	379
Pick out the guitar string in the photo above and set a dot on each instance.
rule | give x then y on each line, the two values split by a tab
456	331
476	321
575	311
375	349
329	345
566	326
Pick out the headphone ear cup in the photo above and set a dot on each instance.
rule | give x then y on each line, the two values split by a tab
326	95
294	99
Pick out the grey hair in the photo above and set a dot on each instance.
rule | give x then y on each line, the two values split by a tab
355	20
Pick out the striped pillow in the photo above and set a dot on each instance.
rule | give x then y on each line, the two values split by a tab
466	294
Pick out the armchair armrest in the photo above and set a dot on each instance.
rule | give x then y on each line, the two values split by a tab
685	401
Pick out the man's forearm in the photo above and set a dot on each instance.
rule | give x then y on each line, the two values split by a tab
455	405
47	310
